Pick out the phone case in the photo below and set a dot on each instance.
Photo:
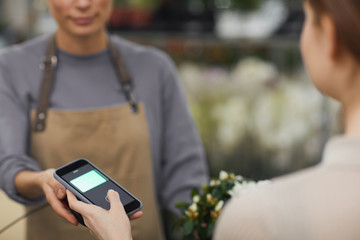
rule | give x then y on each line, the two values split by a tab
80	196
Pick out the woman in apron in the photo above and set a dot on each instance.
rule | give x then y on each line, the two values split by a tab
81	93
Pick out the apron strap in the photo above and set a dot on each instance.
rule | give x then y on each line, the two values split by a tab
123	76
49	64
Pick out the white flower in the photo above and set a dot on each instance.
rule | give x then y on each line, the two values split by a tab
232	118
213	183
286	118
193	207
252	76
192	75
239	178
209	197
263	182
240	189
219	205
196	198
223	175
258	24
201	81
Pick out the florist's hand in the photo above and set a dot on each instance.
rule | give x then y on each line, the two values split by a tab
54	193
105	225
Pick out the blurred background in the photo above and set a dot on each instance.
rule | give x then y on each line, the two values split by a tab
255	107
239	60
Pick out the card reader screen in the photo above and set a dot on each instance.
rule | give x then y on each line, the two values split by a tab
88	181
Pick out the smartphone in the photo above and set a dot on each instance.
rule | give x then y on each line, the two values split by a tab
90	185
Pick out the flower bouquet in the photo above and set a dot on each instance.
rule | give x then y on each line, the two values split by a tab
199	217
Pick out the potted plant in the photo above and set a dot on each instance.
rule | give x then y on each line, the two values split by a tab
199	217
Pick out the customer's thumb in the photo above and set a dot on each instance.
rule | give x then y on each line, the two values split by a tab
114	199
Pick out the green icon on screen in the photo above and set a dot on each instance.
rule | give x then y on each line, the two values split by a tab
88	181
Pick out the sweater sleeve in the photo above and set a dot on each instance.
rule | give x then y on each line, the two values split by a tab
14	125
183	160
247	218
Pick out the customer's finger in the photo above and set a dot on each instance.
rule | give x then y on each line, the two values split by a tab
115	202
77	205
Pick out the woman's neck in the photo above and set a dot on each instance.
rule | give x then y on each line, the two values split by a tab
350	101
81	45
344	85
352	119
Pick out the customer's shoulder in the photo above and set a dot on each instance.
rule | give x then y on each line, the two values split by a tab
262	208
290	201
292	185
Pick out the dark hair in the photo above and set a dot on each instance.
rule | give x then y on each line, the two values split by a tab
346	17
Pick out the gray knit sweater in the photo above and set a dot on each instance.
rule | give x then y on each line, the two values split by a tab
89	82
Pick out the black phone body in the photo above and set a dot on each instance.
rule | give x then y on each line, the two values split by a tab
90	185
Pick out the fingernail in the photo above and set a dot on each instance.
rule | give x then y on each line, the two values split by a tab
111	190
60	193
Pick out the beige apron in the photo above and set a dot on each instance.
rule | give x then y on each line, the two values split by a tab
115	139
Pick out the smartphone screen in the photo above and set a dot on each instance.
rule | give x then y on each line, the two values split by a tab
92	184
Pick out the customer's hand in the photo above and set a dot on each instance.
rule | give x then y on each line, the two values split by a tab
105	225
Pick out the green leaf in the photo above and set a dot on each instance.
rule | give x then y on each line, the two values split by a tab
202	232
204	187
188	227
182	205
210	230
195	192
